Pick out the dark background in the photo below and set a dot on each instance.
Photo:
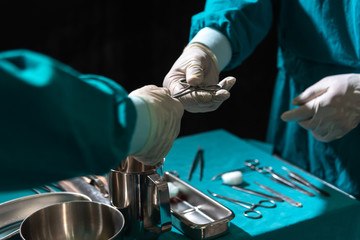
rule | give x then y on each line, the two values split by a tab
135	43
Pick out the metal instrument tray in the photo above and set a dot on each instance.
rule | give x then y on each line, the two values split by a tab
196	214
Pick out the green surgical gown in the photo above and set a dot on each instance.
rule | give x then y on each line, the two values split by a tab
317	38
57	123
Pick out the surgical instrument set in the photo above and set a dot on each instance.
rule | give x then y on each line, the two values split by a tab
282	196
253	165
299	179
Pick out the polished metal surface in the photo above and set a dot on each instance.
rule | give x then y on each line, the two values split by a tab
13	212
299	179
142	195
77	220
253	165
195	214
132	166
187	88
80	185
251	211
284	197
257	193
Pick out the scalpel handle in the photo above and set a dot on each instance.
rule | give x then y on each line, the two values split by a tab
282	196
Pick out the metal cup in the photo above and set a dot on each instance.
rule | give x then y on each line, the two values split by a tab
142	195
77	220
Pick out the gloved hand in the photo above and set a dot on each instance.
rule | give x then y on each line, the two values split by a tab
330	108
166	113
198	65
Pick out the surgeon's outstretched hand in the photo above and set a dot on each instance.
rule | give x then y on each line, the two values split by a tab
166	113
330	108
199	67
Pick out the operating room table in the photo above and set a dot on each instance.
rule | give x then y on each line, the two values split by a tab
334	217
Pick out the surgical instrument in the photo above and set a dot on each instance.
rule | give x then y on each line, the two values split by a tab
299	179
44	187
278	199
98	183
199	158
189	89
251	212
285	198
252	164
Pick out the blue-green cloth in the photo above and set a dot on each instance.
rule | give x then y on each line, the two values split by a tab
57	123
334	217
317	38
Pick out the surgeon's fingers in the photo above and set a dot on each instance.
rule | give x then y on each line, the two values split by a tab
223	94
227	83
301	113
194	73
310	93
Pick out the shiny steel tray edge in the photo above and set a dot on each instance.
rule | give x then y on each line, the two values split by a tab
211	230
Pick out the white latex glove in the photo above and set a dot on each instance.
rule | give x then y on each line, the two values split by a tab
165	113
330	108
198	65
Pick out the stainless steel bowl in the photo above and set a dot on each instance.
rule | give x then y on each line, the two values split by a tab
13	212
78	220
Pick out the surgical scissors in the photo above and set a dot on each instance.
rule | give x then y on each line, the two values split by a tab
251	212
189	89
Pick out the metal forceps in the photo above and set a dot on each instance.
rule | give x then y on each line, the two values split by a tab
250	212
199	158
252	164
189	89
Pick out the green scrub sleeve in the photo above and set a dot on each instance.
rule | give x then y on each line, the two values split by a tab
57	123
244	22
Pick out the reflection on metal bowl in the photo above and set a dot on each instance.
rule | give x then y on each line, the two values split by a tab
78	220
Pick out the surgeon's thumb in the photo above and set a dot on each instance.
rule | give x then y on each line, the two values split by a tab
194	73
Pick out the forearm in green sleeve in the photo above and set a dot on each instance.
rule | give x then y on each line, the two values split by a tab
56	124
245	23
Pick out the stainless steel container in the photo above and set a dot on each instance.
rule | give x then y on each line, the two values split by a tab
13	212
142	195
195	214
77	220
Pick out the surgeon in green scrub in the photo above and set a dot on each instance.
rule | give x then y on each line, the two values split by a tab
57	123
316	102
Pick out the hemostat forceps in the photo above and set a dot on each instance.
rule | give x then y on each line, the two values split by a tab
199	158
251	212
189	89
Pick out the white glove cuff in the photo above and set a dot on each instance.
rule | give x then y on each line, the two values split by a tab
208	52
217	43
